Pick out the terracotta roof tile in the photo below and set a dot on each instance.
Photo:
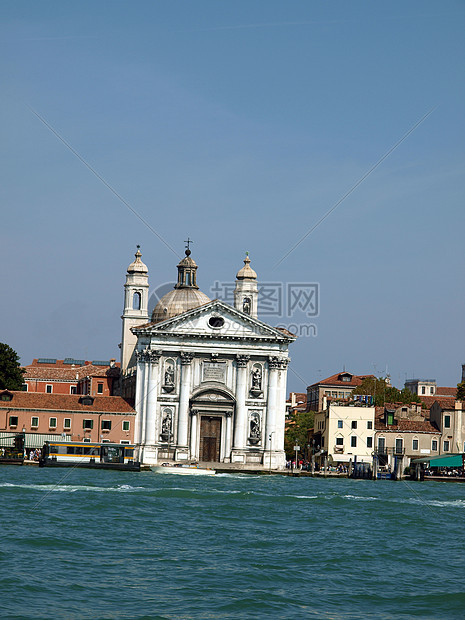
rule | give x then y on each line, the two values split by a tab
411	426
68	402
446	402
446	391
68	374
336	381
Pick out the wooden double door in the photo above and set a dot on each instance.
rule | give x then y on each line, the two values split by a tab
210	438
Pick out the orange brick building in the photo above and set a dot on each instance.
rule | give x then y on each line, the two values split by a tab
71	376
81	417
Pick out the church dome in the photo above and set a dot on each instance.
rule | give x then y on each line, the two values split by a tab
246	273
186	294
176	302
137	266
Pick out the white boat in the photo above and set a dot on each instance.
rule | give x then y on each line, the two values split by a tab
183	469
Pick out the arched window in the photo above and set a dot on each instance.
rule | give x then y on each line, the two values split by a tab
136	299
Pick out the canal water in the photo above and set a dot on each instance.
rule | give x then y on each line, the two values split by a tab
102	544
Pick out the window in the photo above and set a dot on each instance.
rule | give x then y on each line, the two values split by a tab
327	393
353	442
369	442
446	446
13	421
34	422
136	301
216	321
73	389
434	445
390	419
431	390
423	389
49	389
87	424
67	423
339	441
339	423
447	421
334	394
105	441
52	423
125	425
125	441
399	446
106	425
381	444
354	423
86	440
24	387
414	444
99	388
6	397
369	424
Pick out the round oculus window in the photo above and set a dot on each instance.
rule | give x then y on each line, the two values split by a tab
216	321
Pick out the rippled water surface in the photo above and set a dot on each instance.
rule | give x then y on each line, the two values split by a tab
101	544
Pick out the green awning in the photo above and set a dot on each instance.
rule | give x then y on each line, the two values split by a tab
451	460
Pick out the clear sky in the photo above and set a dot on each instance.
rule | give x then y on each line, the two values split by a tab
240	124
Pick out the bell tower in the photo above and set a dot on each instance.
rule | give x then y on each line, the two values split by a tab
246	291
136	300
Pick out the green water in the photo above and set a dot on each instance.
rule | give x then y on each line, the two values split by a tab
85	544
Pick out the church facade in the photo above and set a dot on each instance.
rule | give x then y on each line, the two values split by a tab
210	378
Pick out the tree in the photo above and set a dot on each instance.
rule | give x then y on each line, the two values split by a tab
460	391
11	373
297	431
385	393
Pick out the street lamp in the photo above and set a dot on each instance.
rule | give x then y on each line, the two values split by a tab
269	437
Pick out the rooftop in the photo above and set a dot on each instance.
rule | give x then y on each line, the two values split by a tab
67	402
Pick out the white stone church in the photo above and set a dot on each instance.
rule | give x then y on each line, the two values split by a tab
210	379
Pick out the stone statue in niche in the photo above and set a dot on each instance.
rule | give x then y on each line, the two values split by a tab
166	426
168	384
255	433
257	379
256	389
246	305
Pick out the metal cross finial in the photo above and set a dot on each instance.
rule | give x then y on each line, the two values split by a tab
188	242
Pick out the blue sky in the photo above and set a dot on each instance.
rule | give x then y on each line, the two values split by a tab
239	124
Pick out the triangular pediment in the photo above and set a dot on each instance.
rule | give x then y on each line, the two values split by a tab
216	320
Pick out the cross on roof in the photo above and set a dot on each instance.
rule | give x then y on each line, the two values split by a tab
188	242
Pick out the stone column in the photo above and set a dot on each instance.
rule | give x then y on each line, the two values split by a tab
271	408
141	394
228	437
193	444
150	416
139	398
184	395
240	422
281	407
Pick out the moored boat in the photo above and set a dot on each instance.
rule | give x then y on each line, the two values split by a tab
183	469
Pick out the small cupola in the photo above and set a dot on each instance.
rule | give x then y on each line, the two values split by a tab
137	266
187	272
